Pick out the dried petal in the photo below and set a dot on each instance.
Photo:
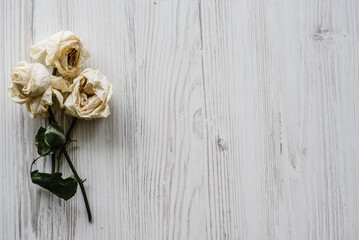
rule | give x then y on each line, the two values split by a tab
91	92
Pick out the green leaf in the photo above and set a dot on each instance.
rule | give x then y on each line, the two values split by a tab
50	139
42	148
54	136
63	188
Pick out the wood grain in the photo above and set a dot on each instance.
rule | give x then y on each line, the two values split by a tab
229	120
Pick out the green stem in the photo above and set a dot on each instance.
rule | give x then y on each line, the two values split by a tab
53	162
68	133
52	117
79	180
58	162
52	120
74	120
53	156
68	159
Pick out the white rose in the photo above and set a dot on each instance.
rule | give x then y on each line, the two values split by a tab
63	50
32	84
59	87
90	94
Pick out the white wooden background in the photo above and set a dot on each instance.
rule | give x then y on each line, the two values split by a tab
231	119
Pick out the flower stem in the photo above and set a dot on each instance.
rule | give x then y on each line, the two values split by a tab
52	120
53	156
68	159
74	120
79	180
53	162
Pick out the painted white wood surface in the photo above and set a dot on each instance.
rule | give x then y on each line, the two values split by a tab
231	119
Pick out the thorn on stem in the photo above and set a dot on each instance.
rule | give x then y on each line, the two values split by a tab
33	162
70	141
36	159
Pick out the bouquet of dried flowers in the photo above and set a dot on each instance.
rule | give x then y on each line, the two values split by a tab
82	94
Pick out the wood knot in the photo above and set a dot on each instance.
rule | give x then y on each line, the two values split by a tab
323	35
222	144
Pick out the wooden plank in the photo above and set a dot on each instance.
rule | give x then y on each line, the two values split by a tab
278	77
230	120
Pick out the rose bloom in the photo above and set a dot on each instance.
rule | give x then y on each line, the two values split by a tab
63	50
32	84
90	94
